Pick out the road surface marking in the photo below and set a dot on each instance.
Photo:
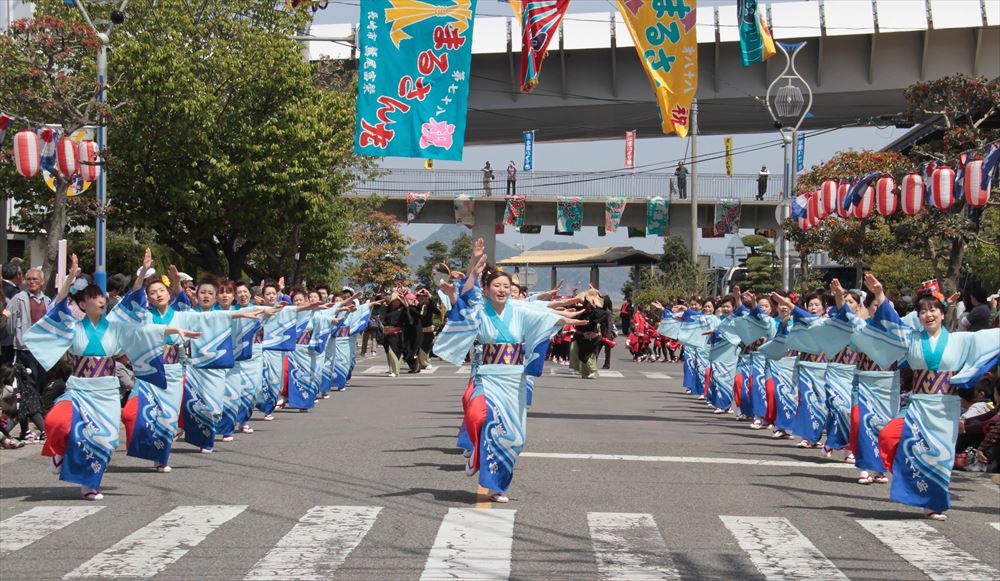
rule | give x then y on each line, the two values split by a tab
376	370
431	369
926	549
655	375
152	548
609	374
463	370
472	544
563	372
686	460
995	525
629	546
30	526
779	550
317	545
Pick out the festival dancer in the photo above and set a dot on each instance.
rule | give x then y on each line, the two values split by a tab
919	447
83	425
428	305
279	338
247	373
396	318
810	371
511	336
781	362
344	352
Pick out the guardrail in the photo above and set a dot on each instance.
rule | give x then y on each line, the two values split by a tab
550	185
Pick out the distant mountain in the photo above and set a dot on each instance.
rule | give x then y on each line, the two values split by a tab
447	233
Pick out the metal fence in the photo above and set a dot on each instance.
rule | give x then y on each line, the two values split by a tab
397	183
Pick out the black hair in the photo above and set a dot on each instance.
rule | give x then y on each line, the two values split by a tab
270	284
926	299
118	282
814	295
726	299
240	282
91	291
208	278
490	274
321	287
980	294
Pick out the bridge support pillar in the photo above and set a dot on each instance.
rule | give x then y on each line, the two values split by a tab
595	276
486	228
554	277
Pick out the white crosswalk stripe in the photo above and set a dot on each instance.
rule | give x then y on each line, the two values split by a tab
629	547
928	550
476	544
152	548
32	525
317	545
563	372
463	370
376	370
610	374
655	375
472	543
779	550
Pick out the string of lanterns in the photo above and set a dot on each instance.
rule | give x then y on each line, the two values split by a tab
43	148
937	186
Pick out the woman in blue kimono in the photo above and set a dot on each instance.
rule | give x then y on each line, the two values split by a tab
249	360
723	356
781	364
82	426
280	334
511	336
919	447
753	326
342	350
810	371
305	363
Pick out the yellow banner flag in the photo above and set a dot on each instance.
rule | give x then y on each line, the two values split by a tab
729	156
664	35
428	163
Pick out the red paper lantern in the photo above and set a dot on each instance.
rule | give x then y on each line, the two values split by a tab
913	194
88	160
863	208
943	189
974	195
66	159
885	196
828	201
842	191
812	209
27	153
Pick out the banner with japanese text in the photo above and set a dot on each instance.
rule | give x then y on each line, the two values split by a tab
529	150
664	36
729	156
413	78
630	149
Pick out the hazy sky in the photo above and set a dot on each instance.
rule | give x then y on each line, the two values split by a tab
609	154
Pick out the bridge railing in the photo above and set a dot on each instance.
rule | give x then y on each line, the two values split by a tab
397	183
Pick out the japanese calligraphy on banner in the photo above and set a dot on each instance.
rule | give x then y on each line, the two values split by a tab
529	150
413	85
630	149
800	152
664	35
729	156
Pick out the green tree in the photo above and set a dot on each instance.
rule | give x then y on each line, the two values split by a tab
763	272
231	150
437	252
378	252
47	77
982	257
897	271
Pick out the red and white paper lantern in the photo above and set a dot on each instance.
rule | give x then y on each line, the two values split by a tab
943	190
912	190
66	159
88	160
863	207
885	196
828	202
974	195
842	191
27	153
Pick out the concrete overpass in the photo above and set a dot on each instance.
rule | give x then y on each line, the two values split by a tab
542	189
860	56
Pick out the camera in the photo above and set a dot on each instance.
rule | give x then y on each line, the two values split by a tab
117	16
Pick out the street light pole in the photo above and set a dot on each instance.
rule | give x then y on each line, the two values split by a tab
694	182
103	39
788	104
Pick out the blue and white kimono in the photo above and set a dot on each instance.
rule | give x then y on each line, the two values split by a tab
205	374
157	408
244	378
279	338
93	389
305	369
511	343
753	327
810	377
692	334
782	366
723	357
344	346
925	453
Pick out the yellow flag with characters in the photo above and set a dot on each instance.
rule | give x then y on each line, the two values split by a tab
663	32
729	156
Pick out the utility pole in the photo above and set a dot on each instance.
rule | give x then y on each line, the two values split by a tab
694	182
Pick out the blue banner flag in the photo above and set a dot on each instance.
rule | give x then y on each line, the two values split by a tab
413	78
529	150
800	157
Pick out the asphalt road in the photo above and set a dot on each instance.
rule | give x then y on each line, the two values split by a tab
623	478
